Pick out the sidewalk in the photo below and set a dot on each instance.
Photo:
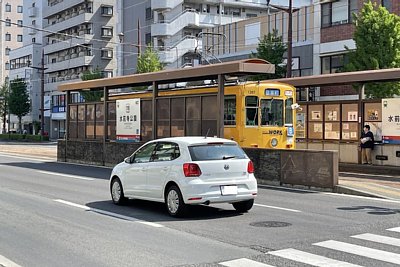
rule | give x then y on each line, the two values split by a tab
355	179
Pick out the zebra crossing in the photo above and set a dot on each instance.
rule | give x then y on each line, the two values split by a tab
302	257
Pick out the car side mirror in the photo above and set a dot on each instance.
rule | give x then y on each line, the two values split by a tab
128	160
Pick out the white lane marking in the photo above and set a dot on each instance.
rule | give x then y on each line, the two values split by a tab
7	263
308	258
67	175
331	194
112	214
361	251
41	159
379	239
396	229
244	263
277	208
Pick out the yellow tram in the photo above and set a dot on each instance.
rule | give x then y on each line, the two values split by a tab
256	114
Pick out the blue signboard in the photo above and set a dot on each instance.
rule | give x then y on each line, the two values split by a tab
290	131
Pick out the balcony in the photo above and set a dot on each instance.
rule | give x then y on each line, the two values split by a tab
162	5
190	18
32	31
63	45
53	86
32	12
73	62
49	11
172	54
68	23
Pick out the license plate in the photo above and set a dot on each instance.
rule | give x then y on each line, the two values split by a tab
228	190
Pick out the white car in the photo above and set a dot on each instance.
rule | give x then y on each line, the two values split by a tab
183	171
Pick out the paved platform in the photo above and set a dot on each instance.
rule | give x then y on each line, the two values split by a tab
356	179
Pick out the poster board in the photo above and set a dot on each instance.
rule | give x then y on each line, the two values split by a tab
372	112
332	112
350	131
315	130
350	112
128	120
391	121
301	123
332	130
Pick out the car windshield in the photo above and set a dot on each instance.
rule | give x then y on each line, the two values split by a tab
216	152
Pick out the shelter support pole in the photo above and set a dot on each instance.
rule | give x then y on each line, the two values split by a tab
154	110
105	131
220	103
66	128
360	115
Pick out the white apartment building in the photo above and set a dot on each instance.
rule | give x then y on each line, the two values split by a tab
173	26
79	36
11	36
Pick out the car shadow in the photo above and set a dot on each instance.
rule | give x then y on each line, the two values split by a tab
66	169
371	210
156	212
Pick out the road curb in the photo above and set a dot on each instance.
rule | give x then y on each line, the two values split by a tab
342	189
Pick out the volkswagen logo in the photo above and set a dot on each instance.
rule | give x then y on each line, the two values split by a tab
226	167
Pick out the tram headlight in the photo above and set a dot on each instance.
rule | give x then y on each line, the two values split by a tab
290	140
274	142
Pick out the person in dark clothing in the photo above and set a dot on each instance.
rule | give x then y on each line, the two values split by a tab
366	144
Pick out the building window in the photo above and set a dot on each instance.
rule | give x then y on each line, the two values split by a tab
106	31
107	73
147	38
8	37
20	9
8	22
387	4
8	8
107	53
7	66
149	13
333	64
326	11
8	51
106	10
353	9
33	40
20	23
19	38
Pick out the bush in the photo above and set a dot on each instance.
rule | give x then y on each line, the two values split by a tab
23	137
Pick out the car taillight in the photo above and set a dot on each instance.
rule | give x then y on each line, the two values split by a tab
250	167
191	170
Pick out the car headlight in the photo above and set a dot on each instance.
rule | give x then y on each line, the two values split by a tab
274	142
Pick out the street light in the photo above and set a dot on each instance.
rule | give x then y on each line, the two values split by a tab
290	11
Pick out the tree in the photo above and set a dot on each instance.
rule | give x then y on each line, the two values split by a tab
4	104
149	61
377	38
92	96
271	48
19	101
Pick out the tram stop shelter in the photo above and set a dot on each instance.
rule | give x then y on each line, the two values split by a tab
220	72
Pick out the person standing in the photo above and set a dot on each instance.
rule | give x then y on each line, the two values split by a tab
366	144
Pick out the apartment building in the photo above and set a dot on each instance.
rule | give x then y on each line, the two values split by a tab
79	36
173	26
11	35
336	33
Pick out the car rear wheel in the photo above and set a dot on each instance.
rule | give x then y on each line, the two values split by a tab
117	192
174	202
243	206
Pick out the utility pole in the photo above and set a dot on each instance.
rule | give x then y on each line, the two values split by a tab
41	68
290	10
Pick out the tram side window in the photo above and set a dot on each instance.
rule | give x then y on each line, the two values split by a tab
288	111
230	110
271	112
251	110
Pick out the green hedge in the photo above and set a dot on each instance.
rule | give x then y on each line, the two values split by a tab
23	137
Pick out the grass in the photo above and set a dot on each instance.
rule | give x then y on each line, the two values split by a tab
23	137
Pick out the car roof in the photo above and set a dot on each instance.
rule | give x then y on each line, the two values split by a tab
196	140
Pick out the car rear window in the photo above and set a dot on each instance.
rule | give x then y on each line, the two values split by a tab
216	152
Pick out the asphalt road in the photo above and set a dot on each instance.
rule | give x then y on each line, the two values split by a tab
55	214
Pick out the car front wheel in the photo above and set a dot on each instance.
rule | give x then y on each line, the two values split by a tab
174	202
117	192
243	206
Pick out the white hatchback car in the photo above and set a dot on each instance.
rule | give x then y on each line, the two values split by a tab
183	171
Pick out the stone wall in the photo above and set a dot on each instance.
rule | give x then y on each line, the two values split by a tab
307	168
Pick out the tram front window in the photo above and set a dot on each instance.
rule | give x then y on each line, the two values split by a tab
289	111
271	112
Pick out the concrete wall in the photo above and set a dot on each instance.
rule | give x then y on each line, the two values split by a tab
276	167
